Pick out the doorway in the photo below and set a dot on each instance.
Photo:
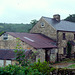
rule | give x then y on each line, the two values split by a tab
47	55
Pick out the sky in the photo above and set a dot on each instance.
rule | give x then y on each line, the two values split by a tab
23	11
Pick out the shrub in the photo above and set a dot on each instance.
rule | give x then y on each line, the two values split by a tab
43	67
18	70
2	33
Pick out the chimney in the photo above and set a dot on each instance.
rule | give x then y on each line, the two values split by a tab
56	17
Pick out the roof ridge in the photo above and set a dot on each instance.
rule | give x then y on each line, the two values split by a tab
60	20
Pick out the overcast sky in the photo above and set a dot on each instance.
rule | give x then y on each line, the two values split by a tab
23	11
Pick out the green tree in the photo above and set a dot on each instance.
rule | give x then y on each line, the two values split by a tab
2	33
33	22
21	57
70	18
20	54
69	48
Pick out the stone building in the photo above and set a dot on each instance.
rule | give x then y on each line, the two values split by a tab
48	37
59	30
7	56
44	46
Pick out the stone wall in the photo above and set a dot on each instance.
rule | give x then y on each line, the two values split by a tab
53	56
41	55
11	43
47	29
62	43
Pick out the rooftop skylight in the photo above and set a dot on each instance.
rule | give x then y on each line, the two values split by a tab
29	39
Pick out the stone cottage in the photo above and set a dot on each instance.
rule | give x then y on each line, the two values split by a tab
59	30
48	38
44	46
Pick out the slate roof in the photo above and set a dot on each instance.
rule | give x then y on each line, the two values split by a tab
9	54
35	40
6	54
60	25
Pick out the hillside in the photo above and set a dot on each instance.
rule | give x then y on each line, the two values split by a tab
9	27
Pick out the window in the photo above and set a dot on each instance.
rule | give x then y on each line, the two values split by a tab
74	36
1	63
64	51
5	36
29	39
8	62
64	36
42	24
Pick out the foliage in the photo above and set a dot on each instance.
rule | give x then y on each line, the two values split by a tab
71	66
67	60
43	67
20	54
1	33
24	60
69	48
21	70
33	22
20	57
9	27
38	67
18	46
18	70
70	18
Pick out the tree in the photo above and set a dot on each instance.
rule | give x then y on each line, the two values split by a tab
69	48
21	56
33	22
70	18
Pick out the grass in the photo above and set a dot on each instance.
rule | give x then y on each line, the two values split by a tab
71	66
67	60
